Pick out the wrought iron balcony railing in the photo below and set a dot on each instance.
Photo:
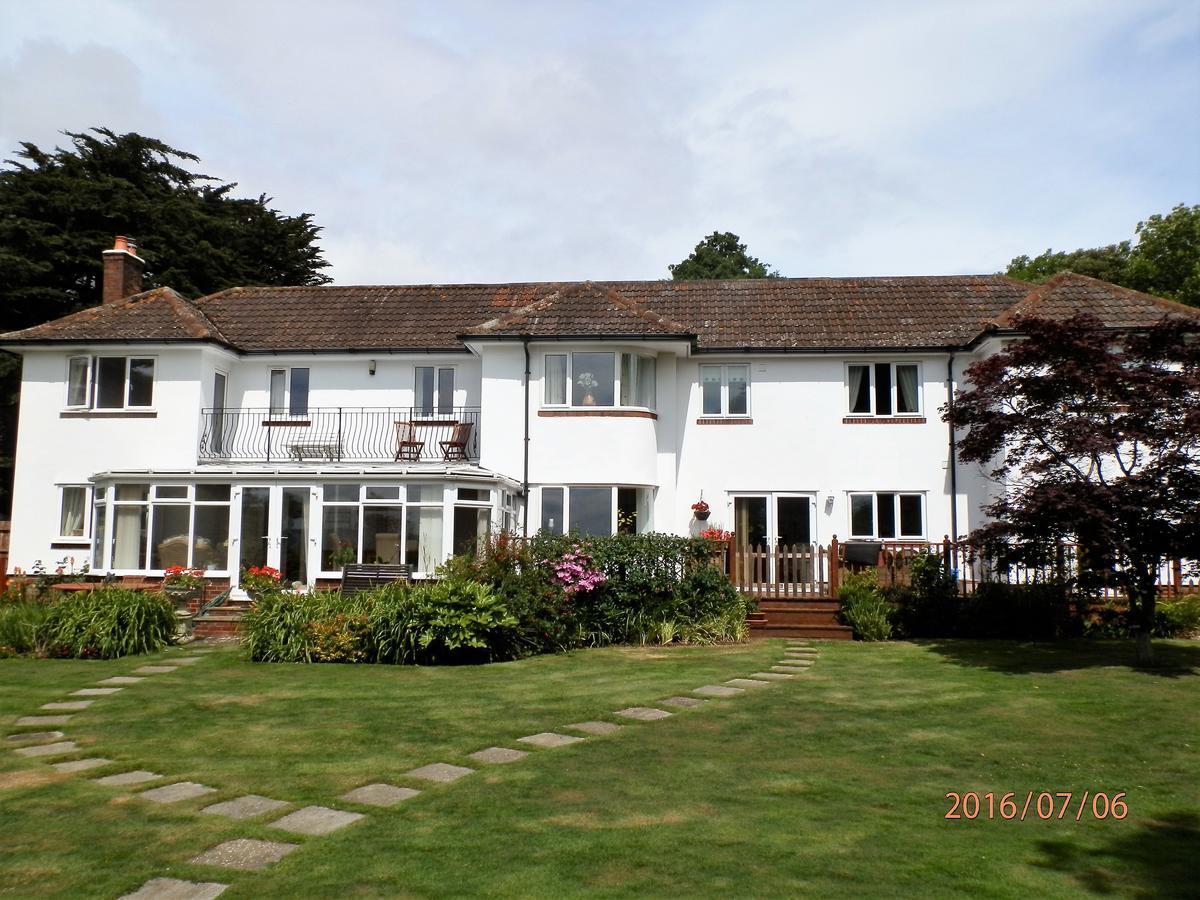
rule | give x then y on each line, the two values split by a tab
340	434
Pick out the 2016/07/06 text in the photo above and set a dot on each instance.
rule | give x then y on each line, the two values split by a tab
1044	805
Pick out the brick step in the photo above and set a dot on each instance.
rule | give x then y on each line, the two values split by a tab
217	627
827	632
799	603
801	617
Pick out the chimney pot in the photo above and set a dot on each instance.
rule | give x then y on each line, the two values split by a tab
122	271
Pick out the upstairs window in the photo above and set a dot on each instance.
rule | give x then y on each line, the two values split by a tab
887	516
289	392
725	390
883	389
110	382
586	379
433	390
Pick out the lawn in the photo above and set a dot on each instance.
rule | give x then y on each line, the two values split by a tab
832	784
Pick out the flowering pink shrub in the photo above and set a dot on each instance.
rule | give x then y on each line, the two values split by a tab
575	573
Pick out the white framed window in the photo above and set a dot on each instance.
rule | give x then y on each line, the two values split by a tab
725	390
110	382
600	379
433	390
603	509
289	391
164	525
887	515
883	389
73	504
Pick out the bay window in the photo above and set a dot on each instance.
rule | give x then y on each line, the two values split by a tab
602	379
887	515
883	389
596	510
155	528
110	382
725	390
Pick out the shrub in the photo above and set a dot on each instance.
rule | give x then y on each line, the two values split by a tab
343	639
20	626
864	608
1179	617
108	623
929	606
463	622
1028	612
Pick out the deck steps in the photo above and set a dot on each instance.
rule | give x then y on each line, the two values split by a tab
814	617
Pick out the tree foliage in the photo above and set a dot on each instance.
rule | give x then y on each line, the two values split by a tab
60	209
1165	260
1094	438
720	255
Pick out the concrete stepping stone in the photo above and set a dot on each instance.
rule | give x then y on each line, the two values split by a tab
643	713
176	889
717	690
156	670
379	795
800	651
95	692
791	670
35	737
174	793
71	766
122	779
245	807
770	676
246	854
684	702
121	679
498	755
43	720
594	727
185	660
439	772
56	749
316	820
67	705
747	682
550	739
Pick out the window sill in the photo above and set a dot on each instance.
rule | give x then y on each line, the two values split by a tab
883	420
108	414
602	413
725	420
67	543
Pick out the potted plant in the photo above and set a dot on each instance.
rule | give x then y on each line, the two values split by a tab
701	510
345	554
259	580
588	383
182	584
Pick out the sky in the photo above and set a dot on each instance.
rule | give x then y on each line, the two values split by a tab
536	141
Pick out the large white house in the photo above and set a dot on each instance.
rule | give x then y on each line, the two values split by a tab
307	427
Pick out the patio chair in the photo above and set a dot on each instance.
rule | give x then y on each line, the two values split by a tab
456	447
407	445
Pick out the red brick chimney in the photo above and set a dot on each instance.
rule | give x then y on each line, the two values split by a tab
122	271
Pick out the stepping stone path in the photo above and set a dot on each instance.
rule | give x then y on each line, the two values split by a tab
643	713
95	692
594	727
380	795
33	737
498	755
550	739
156	670
792	670
684	702
82	765
175	889
185	660
246	807
770	676
55	749
43	720
316	820
122	779
717	690
174	793
68	705
245	854
439	772
121	679
747	682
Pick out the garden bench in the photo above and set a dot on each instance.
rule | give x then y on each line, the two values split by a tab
356	578
317	447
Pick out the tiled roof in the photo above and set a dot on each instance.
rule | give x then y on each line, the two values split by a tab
160	314
767	314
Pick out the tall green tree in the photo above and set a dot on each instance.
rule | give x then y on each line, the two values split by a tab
1164	260
720	255
59	209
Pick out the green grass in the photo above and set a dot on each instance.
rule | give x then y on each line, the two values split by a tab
831	785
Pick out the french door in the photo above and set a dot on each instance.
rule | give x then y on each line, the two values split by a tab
275	529
777	526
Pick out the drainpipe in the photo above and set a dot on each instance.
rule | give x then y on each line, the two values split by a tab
953	450
525	479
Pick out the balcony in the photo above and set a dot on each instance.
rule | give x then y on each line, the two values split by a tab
339	434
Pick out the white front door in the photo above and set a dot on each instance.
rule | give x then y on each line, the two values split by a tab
276	529
766	523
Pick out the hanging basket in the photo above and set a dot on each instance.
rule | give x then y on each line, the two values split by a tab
702	516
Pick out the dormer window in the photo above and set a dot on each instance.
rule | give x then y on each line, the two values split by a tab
110	382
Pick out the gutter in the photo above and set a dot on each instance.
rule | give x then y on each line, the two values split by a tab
525	478
953	449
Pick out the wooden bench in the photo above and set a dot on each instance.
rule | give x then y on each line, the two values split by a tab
358	578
